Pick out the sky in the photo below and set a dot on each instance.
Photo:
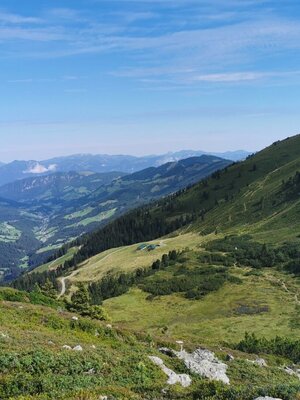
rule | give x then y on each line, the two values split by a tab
146	76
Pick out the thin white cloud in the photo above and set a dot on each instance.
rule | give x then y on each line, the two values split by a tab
241	76
17	19
31	34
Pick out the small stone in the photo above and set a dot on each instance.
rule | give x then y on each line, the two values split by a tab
77	348
74	318
93	346
229	357
90	371
66	347
259	361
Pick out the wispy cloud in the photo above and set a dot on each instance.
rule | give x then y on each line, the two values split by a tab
216	52
10	18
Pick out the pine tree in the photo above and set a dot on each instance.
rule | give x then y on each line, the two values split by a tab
81	300
48	289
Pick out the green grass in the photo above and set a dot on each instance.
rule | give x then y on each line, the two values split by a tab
24	262
79	214
97	218
217	317
48	248
35	366
8	233
59	261
129	259
44	235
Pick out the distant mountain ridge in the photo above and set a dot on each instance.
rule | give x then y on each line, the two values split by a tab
40	213
100	163
59	186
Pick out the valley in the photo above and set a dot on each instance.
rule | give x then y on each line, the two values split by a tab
149	200
55	209
213	268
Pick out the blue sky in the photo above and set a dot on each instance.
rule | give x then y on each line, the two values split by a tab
141	76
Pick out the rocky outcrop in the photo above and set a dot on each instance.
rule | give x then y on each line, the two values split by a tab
183	379
204	363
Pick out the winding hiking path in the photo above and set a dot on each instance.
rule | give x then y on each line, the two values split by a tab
63	283
63	279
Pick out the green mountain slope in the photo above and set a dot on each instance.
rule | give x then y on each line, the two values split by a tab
254	203
56	188
62	206
206	265
251	196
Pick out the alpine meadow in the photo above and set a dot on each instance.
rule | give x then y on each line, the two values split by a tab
149	200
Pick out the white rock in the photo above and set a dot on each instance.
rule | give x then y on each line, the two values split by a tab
93	346
66	347
173	378
292	371
204	363
259	361
77	348
74	318
229	357
267	398
90	371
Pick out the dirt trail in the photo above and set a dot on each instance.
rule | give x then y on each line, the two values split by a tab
63	283
62	280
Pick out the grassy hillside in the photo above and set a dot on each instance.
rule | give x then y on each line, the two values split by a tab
257	196
206	265
113	362
260	303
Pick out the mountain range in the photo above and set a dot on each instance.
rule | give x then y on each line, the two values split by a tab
38	215
194	295
100	163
